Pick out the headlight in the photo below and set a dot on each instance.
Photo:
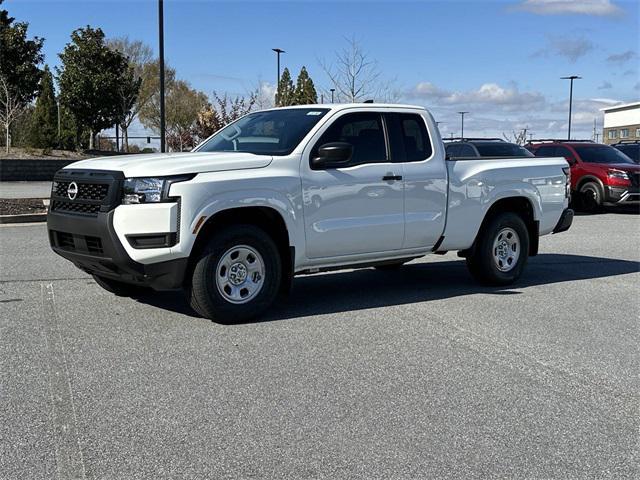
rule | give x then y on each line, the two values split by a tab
618	174
149	190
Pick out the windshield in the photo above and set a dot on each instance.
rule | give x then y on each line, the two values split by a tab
602	154
273	132
502	149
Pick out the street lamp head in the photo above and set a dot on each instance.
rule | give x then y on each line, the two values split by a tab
278	50
571	77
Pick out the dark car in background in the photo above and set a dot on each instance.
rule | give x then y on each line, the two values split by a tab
600	174
483	147
630	149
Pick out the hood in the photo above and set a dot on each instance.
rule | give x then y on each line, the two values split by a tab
165	164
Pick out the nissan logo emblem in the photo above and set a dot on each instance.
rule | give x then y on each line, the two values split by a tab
72	190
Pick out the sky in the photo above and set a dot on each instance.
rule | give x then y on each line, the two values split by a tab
499	60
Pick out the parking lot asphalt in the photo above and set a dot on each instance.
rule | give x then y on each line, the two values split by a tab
418	373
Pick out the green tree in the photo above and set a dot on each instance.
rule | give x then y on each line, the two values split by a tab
43	130
69	139
182	105
90	79
143	72
19	70
305	92
285	93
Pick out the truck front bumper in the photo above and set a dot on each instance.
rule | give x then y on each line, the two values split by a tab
91	243
566	219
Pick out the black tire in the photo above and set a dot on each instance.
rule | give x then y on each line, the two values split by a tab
121	289
202	291
591	197
483	264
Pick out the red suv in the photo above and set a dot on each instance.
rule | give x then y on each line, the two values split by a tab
600	174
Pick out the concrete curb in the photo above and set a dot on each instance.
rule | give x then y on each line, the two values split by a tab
24	218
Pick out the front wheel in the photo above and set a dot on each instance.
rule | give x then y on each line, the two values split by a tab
501	250
237	276
591	196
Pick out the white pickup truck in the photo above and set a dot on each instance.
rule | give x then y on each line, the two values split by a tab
299	190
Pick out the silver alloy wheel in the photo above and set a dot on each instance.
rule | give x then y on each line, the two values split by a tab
240	274
506	249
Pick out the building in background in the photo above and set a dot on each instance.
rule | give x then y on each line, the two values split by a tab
621	123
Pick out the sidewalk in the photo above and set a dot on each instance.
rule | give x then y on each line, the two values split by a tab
25	189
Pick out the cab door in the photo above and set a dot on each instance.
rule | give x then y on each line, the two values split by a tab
425	179
359	207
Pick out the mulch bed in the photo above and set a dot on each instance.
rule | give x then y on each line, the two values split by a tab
21	206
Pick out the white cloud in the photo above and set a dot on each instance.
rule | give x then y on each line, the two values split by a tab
492	94
568	7
497	110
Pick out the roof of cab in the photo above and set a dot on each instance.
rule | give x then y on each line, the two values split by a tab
344	106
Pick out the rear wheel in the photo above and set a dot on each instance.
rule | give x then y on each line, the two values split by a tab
501	250
237	276
121	289
591	196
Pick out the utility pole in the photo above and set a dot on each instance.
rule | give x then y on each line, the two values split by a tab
161	55
322	98
332	90
59	123
462	120
571	78
278	52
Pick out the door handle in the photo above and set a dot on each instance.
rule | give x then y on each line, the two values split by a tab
391	178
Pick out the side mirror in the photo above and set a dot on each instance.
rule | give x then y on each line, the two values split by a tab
332	155
570	160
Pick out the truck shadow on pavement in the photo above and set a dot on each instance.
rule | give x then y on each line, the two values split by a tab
416	282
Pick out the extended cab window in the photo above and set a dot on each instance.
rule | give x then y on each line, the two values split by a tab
272	132
365	134
415	137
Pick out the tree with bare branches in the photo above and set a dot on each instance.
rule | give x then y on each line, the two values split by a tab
356	76
225	109
142	72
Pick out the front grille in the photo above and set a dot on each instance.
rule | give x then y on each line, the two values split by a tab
86	191
72	207
78	243
98	191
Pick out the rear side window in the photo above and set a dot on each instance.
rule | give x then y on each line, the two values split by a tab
453	151
363	131
546	151
467	151
460	150
502	149
408	137
415	138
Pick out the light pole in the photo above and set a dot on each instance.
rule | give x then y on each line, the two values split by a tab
278	52
571	78
161	55
462	120
332	90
